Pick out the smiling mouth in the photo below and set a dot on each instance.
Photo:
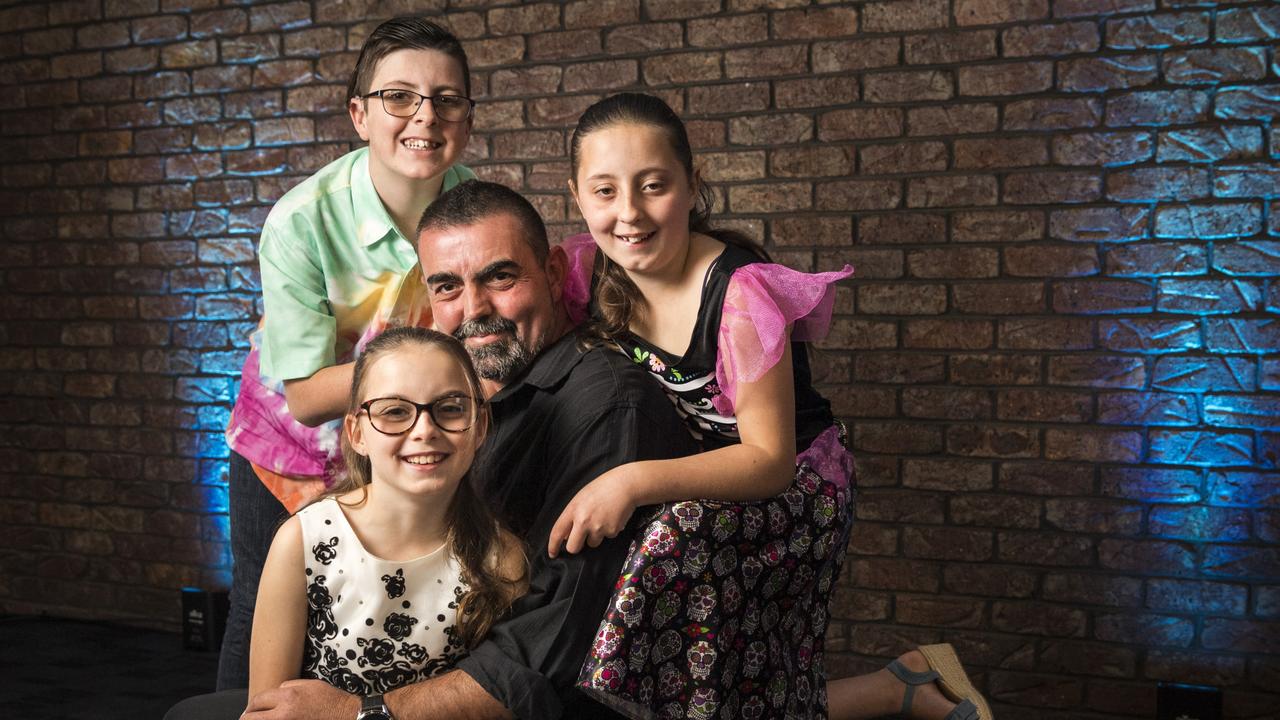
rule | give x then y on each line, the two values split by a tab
428	459
417	144
634	239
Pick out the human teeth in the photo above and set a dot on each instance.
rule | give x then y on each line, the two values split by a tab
420	144
424	459
633	239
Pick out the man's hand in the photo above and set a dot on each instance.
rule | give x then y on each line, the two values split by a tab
303	700
600	510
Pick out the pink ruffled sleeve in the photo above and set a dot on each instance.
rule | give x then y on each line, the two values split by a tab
581	250
762	301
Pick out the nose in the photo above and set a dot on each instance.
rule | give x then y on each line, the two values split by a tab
628	208
476	303
424	427
426	112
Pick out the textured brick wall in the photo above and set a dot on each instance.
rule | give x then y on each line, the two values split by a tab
1060	356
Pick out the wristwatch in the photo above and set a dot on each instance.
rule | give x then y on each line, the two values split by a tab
372	707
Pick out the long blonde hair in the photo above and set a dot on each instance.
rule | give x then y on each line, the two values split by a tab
476	539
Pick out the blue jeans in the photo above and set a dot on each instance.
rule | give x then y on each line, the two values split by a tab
255	516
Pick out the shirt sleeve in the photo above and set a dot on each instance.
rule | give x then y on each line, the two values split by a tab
530	662
299	330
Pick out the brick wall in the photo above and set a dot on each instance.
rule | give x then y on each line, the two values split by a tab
1059	358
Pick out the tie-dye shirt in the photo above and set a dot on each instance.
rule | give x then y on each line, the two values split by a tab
336	271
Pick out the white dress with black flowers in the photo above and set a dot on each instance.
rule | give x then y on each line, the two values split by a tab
374	625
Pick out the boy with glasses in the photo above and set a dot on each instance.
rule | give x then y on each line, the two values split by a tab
338	265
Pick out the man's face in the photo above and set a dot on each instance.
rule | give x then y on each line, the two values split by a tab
488	289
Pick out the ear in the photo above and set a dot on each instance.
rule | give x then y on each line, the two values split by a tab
557	268
355	433
695	184
573	190
358	108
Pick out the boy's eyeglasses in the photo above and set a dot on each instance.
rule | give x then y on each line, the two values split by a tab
405	103
396	416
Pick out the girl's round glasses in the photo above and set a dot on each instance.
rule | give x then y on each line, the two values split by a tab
395	416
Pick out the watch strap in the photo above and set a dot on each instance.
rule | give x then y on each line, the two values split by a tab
374	707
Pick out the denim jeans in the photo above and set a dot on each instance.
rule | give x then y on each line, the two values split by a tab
255	515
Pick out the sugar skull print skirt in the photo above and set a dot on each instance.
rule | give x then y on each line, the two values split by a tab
721	608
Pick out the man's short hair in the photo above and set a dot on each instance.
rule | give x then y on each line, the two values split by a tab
474	200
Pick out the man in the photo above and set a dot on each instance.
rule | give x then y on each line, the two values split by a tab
562	416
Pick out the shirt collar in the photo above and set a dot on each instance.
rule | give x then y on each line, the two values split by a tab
548	369
373	222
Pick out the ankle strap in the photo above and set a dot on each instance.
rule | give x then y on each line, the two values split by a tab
911	678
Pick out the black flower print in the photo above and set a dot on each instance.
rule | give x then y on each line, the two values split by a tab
377	651
453	645
324	553
320	622
437	665
412	652
393	676
398	625
331	656
346	680
318	595
310	658
321	625
394	584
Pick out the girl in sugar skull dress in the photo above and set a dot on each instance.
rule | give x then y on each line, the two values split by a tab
721	609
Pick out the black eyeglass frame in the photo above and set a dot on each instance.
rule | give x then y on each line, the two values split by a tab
430	409
380	94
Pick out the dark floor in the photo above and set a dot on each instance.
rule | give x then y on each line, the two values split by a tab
73	670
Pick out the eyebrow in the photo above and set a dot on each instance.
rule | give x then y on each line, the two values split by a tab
486	273
447	394
437	278
495	267
642	171
413	86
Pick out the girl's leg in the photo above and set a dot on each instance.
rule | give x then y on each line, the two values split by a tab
880	694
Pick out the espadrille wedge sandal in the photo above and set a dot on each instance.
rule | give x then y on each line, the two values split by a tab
946	670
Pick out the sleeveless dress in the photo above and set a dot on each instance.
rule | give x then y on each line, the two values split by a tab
721	608
374	625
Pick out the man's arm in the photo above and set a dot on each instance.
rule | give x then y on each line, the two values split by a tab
452	695
550	630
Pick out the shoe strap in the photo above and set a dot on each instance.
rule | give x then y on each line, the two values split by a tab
966	710
911	678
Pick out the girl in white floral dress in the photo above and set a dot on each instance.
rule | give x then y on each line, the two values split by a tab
396	572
